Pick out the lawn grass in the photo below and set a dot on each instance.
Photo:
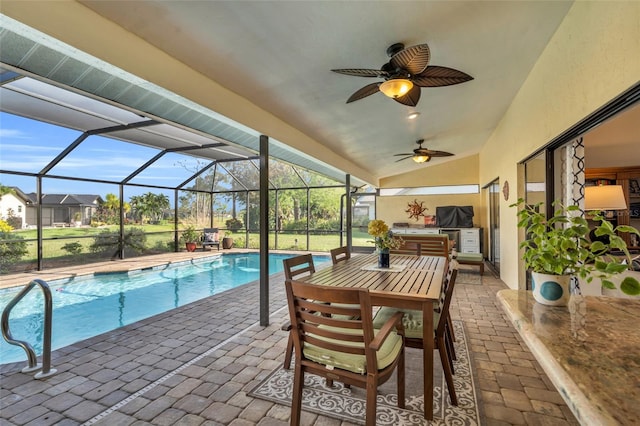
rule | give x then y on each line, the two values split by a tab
159	238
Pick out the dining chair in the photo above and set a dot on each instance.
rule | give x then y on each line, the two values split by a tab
339	254
295	267
412	322
330	345
298	266
424	245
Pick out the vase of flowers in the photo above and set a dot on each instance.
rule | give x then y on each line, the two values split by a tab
383	240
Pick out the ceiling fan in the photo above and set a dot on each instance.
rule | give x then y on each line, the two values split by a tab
404	75
422	155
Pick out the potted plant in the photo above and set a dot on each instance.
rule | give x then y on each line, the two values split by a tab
557	248
190	237
227	240
77	219
383	240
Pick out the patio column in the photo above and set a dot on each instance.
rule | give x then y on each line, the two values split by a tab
264	230
348	210
121	228
39	220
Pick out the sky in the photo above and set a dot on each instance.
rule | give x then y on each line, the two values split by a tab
28	146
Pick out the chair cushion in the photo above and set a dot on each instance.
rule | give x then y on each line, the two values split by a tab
352	362
211	237
469	257
412	320
345	305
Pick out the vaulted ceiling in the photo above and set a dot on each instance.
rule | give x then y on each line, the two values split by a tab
279	55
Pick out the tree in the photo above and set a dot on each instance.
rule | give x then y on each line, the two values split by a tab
4	190
149	205
12	246
111	208
138	207
157	204
195	204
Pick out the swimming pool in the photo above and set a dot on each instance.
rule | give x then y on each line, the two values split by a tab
86	306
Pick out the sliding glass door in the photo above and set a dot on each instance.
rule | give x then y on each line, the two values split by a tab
494	224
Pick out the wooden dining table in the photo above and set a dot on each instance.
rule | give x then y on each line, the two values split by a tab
411	282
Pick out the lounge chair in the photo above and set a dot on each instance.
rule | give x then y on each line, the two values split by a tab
210	238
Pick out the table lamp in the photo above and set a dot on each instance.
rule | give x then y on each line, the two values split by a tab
604	197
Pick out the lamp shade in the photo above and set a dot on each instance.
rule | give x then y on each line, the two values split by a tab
396	87
604	197
420	158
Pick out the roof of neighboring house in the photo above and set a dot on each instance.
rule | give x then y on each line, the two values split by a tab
21	195
66	199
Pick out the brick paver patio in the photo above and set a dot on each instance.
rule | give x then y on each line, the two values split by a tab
195	365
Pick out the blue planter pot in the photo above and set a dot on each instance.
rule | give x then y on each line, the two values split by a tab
552	290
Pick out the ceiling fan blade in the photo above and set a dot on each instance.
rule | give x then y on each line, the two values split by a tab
367	90
431	153
414	59
411	98
397	155
404	158
361	72
436	76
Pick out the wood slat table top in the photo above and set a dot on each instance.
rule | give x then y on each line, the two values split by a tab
421	278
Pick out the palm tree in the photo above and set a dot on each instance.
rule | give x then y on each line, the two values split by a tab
139	207
149	205
156	205
112	205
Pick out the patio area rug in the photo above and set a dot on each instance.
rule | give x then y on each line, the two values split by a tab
349	404
469	276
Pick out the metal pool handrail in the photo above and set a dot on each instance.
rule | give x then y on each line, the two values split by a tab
46	347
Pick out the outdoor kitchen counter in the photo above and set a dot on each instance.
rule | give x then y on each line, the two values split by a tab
590	350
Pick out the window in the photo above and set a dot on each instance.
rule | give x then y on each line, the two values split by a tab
431	190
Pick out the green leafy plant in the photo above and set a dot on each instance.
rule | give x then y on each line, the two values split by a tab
13	220
190	235
560	245
12	249
72	248
105	241
234	224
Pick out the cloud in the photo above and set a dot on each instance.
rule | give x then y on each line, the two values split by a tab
13	134
23	148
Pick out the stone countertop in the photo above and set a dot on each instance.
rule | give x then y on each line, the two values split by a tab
590	350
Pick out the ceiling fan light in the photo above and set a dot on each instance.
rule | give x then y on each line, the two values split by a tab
421	158
396	87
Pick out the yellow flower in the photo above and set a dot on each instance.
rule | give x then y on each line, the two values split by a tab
383	239
378	228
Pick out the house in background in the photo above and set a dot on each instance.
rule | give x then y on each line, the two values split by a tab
63	209
13	208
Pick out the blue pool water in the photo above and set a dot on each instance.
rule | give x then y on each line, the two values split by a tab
87	306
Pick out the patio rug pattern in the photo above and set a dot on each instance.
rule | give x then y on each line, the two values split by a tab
469	276
349	404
